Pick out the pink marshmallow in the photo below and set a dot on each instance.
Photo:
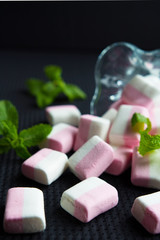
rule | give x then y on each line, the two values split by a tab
122	157
69	114
89	126
110	114
155	120
143	91
24	211
145	169
121	133
145	209
89	198
45	166
61	138
91	159
116	104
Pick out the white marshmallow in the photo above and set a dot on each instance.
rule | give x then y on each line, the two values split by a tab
69	114
24	211
121	132
89	198
45	166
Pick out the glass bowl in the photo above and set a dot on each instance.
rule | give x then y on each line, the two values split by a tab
115	66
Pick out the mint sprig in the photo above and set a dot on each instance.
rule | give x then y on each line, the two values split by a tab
147	142
46	92
9	136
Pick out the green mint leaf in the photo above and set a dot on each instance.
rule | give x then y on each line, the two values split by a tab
8	129
35	135
47	92
53	72
22	151
148	143
138	122
34	85
43	100
8	112
4	145
73	92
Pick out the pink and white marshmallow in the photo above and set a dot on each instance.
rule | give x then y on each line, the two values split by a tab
24	211
143	91
145	209
91	159
155	120
145	169
45	166
110	114
61	138
121	132
69	114
89	198
122	157
89	126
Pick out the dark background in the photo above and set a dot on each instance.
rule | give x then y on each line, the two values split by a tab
69	34
83	26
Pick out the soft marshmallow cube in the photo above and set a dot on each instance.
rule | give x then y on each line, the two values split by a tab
115	105
24	211
121	132
91	159
88	127
45	166
143	91
145	169
145	209
110	114
122	157
61	138
89	198
155	120
69	114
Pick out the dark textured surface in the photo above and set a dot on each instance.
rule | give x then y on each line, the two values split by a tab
118	222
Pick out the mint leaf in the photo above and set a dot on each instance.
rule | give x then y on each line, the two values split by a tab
10	138
47	92
8	129
22	151
148	143
34	135
53	72
4	145
8	112
34	85
73	92
43	100
138	122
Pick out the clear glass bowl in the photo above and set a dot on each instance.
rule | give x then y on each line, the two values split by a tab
115	66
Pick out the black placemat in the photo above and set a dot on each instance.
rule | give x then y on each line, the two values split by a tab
117	223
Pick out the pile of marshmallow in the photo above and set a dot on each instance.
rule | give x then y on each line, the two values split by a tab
101	144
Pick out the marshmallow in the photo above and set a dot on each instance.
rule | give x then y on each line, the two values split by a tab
115	105
110	114
91	159
122	157
69	114
145	169
45	166
155	120
121	132
61	138
89	126
144	91
24	211
145	209
89	198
